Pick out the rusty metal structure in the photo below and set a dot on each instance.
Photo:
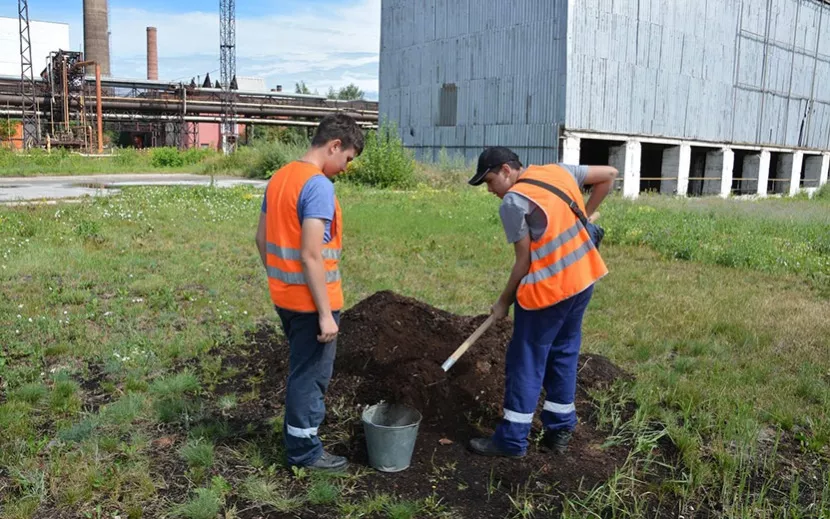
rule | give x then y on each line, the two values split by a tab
227	67
29	107
167	113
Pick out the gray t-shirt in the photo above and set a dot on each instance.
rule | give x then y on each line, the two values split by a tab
520	216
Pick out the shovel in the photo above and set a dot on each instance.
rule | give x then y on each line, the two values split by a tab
466	344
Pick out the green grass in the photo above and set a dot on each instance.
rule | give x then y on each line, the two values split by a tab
63	162
718	307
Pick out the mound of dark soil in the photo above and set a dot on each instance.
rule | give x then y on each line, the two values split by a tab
391	348
396	346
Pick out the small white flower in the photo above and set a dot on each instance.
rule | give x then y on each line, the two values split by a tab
20	306
107	314
245	312
65	312
30	319
18	316
17	331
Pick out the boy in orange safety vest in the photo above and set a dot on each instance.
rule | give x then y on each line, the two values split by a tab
551	283
299	240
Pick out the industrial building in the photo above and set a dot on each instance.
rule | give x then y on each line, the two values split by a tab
65	97
688	97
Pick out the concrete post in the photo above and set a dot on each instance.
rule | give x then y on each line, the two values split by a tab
763	173
627	159
683	169
726	173
795	173
570	150
825	167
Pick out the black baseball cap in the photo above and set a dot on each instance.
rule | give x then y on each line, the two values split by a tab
490	159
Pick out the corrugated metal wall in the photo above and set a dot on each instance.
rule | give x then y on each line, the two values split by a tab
506	60
742	71
745	71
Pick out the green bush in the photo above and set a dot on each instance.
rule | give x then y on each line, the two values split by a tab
823	194
166	158
271	157
384	163
128	157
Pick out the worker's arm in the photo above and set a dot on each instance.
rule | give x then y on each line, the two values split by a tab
602	180
311	255
520	267
260	240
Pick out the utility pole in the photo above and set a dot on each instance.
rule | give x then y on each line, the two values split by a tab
31	118
227	65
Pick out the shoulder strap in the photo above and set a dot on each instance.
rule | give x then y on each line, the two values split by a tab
561	194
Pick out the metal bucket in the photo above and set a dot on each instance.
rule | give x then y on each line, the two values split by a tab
390	435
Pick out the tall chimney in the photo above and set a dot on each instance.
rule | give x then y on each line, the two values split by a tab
152	53
96	34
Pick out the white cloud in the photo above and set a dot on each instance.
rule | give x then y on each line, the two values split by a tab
326	47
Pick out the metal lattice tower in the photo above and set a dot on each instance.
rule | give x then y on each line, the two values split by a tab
31	119
227	65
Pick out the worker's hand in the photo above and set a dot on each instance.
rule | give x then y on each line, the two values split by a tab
499	310
328	329
594	216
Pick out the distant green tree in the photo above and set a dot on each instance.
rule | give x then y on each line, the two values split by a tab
302	88
8	129
350	92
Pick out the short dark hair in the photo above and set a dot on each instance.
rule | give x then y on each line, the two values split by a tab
339	126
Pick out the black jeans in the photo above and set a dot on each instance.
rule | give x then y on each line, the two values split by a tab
310	367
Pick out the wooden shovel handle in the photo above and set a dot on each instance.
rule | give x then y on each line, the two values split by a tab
466	344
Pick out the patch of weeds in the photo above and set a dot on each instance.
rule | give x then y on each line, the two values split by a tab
374	505
402	510
323	492
64	398
171	404
31	393
206	504
226	403
79	432
199	456
177	385
124	410
20	508
266	492
212	431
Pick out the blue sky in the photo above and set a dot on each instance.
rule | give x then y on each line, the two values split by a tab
326	43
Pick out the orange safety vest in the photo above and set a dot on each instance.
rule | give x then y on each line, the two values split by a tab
564	260
283	231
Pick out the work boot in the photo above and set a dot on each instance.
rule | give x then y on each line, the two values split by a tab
329	461
557	440
486	447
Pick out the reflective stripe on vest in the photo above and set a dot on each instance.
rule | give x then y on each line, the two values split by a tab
295	254
298	278
564	262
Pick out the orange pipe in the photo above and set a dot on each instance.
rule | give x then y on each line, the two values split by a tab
98	105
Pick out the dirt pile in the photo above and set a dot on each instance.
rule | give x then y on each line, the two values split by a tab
391	348
395	345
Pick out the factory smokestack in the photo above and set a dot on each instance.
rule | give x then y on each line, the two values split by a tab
152	53
96	34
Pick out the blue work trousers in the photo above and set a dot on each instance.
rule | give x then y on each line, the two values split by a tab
544	351
310	366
